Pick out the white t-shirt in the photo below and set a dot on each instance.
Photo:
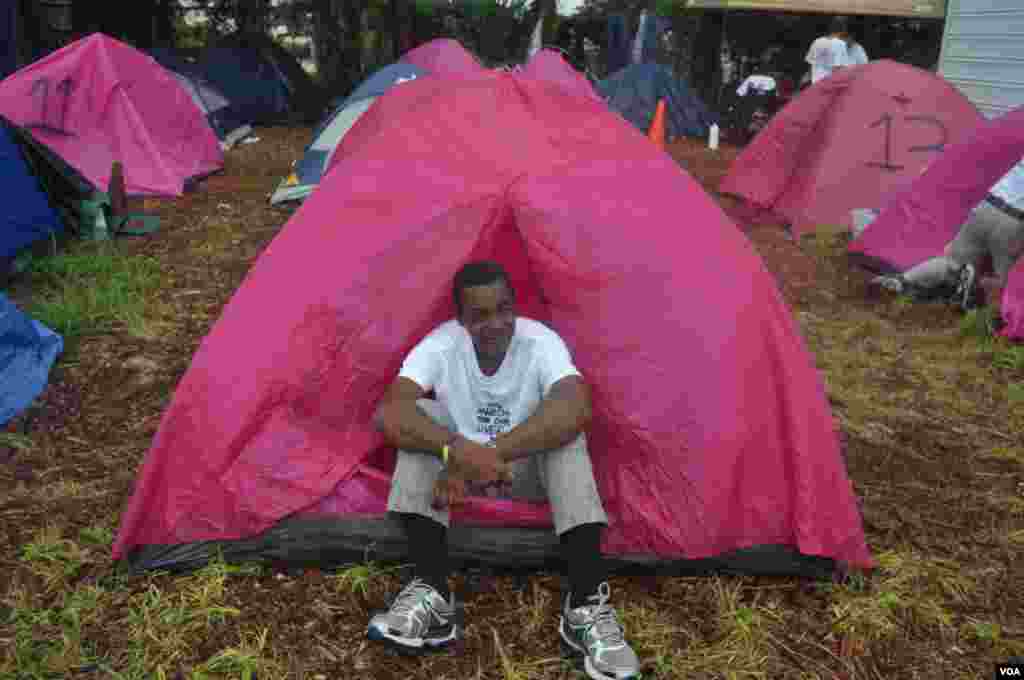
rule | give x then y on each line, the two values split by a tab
825	55
484	406
855	55
1011	187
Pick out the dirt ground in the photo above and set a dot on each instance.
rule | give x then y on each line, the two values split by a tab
932	442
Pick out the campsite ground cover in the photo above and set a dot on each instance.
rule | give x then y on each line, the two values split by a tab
929	408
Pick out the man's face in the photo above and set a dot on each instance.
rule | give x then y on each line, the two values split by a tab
488	314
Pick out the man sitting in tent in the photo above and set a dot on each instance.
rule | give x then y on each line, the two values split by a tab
994	228
510	407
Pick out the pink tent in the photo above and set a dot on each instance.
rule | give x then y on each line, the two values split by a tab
549	65
1012	308
712	436
847	141
917	222
444	57
97	101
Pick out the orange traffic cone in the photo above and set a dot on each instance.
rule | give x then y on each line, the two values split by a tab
657	132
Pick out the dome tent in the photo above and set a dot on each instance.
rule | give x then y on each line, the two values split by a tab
444	57
635	91
29	215
309	170
709	442
264	83
549	65
98	100
225	119
847	141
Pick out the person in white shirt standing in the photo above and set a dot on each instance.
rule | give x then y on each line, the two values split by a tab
855	54
510	406
829	52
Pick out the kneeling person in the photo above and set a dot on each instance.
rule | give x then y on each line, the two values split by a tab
994	228
510	407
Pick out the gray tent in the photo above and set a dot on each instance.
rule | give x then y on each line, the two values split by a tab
307	172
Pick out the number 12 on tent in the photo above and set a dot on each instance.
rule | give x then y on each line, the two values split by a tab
885	122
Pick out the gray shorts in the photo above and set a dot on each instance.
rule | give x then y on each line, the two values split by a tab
563	477
987	231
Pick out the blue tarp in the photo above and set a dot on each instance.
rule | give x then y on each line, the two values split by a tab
634	93
27	352
8	37
27	214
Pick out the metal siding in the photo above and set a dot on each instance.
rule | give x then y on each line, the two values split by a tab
983	52
925	9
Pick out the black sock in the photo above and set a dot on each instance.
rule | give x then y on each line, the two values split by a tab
581	548
428	550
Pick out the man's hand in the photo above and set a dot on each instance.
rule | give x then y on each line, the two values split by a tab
449	491
478	463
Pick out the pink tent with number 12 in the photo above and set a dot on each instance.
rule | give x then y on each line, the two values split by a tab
916	224
846	142
98	100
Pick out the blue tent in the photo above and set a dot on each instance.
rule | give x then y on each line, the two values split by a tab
653	28
8	37
634	93
618	43
261	79
308	171
249	81
28	215
225	118
27	352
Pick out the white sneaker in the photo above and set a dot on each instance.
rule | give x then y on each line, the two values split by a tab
418	618
594	632
893	283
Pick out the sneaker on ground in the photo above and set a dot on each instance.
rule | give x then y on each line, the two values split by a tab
893	283
593	632
965	293
418	618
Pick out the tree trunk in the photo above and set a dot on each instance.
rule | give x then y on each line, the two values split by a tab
163	24
328	38
550	28
707	60
336	34
395	15
252	17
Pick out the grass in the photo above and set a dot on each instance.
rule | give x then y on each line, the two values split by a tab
60	630
93	288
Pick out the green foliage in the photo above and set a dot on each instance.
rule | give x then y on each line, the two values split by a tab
93	289
190	37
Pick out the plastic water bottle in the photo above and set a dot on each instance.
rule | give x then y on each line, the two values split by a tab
713	137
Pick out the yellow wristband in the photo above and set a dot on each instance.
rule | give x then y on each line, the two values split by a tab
444	453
